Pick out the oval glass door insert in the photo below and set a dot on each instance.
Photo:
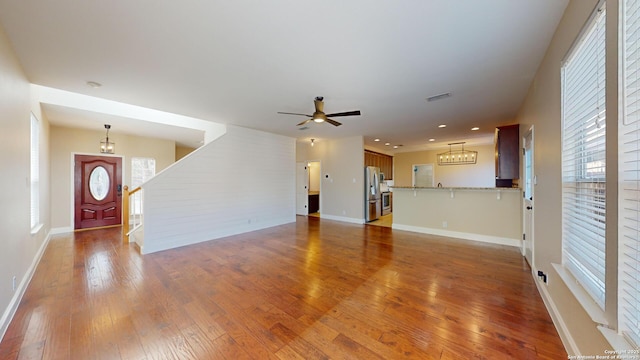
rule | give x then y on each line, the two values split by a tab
99	183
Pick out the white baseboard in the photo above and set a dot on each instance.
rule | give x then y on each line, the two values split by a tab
10	311
460	235
565	336
342	218
61	230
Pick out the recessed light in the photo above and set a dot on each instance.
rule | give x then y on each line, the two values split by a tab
387	144
93	84
475	128
395	146
442	126
432	139
376	140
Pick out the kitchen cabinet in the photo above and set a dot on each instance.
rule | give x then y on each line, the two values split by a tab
382	161
507	155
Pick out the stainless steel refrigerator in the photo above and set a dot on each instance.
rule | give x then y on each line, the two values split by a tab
373	197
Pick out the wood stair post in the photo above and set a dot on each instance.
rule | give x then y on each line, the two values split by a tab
125	215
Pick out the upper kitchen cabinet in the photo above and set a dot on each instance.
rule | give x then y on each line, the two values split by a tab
384	162
507	143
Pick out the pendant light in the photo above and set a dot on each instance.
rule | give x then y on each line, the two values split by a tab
106	146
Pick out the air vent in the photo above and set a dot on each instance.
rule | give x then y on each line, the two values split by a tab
303	128
439	97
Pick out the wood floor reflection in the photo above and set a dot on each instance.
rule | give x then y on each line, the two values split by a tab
313	289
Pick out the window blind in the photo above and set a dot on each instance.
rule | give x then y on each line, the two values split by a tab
629	163
583	159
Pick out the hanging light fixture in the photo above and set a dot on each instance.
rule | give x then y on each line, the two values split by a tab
106	146
312	141
457	157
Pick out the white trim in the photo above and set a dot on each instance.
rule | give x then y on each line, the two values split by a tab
61	230
10	311
586	301
617	341
36	229
342	218
461	235
561	327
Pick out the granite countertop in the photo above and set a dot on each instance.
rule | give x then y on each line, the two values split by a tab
452	188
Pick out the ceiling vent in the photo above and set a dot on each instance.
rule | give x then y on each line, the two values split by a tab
439	97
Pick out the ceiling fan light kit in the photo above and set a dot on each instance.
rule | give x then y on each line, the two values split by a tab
319	116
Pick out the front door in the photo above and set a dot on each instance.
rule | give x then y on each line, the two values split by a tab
98	185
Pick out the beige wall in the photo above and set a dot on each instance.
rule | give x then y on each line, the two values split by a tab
182	151
19	247
342	176
481	174
314	176
542	110
65	141
485	215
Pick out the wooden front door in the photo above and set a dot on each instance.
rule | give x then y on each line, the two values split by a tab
98	190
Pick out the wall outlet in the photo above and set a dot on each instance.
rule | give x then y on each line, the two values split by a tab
13	283
444	224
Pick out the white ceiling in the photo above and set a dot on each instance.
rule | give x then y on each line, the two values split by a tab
240	62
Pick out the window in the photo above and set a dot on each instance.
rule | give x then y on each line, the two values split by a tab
583	159
629	162
142	169
35	172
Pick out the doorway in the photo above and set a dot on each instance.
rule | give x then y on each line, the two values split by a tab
97	191
529	182
422	175
314	188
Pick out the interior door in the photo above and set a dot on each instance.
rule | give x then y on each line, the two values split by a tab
97	191
529	179
302	188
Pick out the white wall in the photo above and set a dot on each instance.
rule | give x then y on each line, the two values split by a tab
342	177
19	249
240	182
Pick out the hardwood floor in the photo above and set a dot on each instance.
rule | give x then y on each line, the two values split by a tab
314	289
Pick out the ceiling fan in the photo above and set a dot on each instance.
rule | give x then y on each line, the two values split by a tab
319	116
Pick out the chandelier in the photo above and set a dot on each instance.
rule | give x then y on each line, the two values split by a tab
457	157
106	146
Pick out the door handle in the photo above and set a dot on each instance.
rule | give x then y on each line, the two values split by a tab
529	207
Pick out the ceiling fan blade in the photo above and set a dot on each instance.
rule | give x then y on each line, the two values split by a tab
304	122
332	122
347	113
288	113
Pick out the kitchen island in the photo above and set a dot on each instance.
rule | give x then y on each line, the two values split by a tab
491	215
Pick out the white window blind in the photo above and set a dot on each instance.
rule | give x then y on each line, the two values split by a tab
583	159
35	172
629	153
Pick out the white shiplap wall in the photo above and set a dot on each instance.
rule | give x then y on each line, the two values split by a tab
243	181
